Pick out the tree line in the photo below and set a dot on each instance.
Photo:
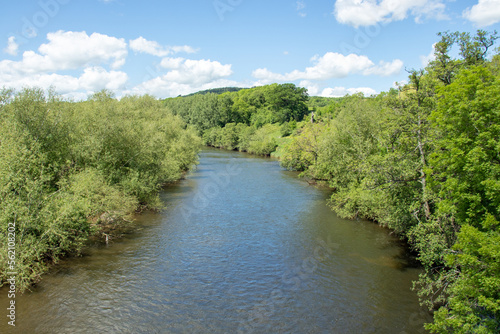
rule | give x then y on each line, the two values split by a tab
422	159
69	171
252	120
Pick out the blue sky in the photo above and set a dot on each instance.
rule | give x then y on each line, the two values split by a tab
169	48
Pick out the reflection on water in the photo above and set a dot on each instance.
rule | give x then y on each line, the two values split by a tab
243	246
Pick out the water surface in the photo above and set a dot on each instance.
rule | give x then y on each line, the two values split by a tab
243	246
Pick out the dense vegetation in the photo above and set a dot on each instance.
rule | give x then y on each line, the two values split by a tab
72	170
252	120
423	160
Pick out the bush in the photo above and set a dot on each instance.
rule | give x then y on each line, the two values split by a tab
67	170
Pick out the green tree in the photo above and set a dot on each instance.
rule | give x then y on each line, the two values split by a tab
465	176
466	163
474	50
443	66
69	170
302	152
473	303
287	102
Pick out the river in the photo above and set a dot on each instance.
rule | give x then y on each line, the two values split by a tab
242	247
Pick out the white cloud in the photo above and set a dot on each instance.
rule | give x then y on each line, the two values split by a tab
163	88
97	78
76	49
195	72
430	57
186	76
65	51
90	63
342	91
332	65
385	69
12	46
484	13
93	79
370	12
142	45
314	89
172	63
69	51
62	83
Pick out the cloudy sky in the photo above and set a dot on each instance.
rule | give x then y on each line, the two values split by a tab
168	48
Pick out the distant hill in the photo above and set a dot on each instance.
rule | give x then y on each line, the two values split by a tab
217	91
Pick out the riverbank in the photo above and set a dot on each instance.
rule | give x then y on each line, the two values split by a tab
242	245
72	170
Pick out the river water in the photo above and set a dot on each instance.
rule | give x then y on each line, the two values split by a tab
242	247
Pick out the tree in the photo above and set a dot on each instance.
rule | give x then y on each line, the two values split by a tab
475	49
466	164
466	178
473	305
59	186
443	66
287	102
302	152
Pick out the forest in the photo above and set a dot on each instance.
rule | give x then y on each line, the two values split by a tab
422	160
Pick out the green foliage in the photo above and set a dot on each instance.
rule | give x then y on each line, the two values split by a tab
244	138
249	120
288	128
67	170
473	50
23	189
473	305
318	102
424	161
265	140
287	102
256	106
467	170
302	151
465	177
